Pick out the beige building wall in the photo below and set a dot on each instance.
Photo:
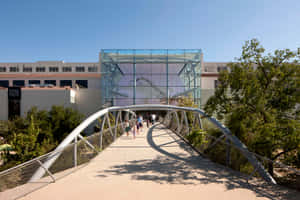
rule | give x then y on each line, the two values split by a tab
88	101
3	104
44	99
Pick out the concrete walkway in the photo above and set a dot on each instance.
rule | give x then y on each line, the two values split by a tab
155	165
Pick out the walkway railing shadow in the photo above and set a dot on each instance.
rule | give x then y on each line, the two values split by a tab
177	168
76	150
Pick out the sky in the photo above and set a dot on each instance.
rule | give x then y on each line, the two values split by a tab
76	30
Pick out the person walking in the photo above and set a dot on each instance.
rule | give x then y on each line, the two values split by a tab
127	127
140	121
134	130
148	122
153	118
137	127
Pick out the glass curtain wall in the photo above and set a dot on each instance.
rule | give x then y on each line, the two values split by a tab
150	76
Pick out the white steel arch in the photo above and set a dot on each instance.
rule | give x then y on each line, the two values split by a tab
76	133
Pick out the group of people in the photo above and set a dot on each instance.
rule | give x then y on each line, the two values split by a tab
136	127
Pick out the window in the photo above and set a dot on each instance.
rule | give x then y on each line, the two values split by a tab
67	69
82	83
34	82
53	69
19	83
216	83
80	69
50	82
14	69
2	69
27	69
64	83
40	69
221	68
92	69
4	83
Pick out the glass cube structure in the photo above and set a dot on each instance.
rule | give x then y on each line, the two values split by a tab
160	76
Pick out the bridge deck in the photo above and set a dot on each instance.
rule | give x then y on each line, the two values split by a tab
156	165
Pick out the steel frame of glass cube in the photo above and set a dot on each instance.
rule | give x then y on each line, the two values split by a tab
142	76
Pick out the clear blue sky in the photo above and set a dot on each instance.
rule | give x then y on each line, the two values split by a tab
76	30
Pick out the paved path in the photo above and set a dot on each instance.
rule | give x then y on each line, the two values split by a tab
155	165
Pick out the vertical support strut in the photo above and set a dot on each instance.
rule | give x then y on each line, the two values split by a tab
197	118
75	151
116	125
109	126
186	122
134	81
228	152
181	120
101	132
195	81
46	170
177	119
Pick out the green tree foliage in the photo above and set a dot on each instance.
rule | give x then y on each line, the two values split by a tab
258	97
187	101
37	133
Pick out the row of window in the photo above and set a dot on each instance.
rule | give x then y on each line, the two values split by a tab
213	69
63	83
51	69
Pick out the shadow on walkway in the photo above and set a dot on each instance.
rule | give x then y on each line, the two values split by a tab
178	168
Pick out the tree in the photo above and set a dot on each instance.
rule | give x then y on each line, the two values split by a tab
258	98
37	133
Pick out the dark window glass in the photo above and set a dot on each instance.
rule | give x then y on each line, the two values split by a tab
64	83
20	83
222	68
40	69
53	69
35	82
216	83
2	69
14	69
92	69
50	82
27	69
82	83
67	69
80	69
4	83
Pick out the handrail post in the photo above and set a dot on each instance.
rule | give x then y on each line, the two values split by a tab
186	121
109	126
228	152
177	119
101	132
75	151
47	171
116	125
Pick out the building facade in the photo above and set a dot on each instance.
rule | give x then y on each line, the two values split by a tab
50	73
120	77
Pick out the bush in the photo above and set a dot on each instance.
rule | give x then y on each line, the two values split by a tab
37	133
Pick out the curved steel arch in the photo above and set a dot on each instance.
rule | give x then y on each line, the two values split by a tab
76	133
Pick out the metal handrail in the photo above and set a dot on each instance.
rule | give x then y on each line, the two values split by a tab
52	156
250	156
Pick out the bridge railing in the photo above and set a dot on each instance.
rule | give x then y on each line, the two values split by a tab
211	141
92	139
76	149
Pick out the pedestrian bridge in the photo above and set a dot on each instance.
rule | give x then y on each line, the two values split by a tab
157	164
